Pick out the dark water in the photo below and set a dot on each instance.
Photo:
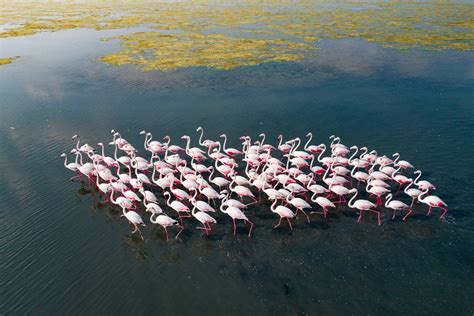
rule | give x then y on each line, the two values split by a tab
63	253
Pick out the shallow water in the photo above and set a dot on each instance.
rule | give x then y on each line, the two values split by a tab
65	253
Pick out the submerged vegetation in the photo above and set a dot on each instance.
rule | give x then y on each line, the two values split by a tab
223	36
6	61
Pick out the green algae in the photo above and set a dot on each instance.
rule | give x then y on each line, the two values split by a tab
228	35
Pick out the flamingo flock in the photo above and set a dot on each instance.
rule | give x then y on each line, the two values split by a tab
295	177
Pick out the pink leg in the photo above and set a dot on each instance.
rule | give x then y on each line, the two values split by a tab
429	211
408	213
307	217
235	228
279	223
251	228
394	214
289	223
360	217
179	233
166	232
444	213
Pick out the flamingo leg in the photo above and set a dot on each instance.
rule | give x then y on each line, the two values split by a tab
408	213
235	228
360	217
279	223
251	228
444	213
306	214
166	232
394	214
289	223
180	231
429	211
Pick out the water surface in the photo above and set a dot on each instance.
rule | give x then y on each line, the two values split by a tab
64	253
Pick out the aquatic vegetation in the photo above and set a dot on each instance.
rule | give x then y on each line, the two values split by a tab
224	36
6	61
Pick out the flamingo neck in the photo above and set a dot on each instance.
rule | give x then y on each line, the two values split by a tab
309	140
417	178
353	155
389	198
322	152
351	203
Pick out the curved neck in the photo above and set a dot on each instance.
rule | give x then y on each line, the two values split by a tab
188	142
78	141
353	155
396	159
364	151
408	186
225	141
65	160
309	140
200	137
424	193
351	203
145	143
273	206
280	138
395	172
322	152
417	178
168	200
115	151
389	198
103	153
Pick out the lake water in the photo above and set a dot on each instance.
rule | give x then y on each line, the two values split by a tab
64	253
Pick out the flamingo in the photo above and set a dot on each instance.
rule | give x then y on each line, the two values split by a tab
433	201
165	221
229	151
205	219
396	205
423	184
283	212
413	193
323	202
236	213
207	143
363	205
401	163
134	219
299	204
178	207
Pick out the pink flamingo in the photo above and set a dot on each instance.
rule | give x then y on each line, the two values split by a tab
363	205
396	205
229	151
433	201
236	213
323	202
283	212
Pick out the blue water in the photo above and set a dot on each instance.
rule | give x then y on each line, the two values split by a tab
64	253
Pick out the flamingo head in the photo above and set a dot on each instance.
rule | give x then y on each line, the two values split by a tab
332	137
111	143
353	147
261	135
363	148
100	144
184	137
395	155
142	133
417	172
309	134
353	190
223	135
112	131
198	129
74	136
63	155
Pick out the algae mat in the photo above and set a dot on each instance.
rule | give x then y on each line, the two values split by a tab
225	35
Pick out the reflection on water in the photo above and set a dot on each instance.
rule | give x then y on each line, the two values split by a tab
66	251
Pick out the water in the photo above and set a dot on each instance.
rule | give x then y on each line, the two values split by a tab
64	253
